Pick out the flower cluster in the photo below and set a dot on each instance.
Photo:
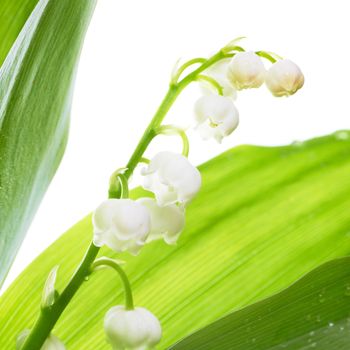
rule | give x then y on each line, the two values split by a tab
126	225
216	115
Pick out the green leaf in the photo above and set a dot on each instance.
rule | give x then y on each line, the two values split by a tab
13	15
265	216
311	314
36	83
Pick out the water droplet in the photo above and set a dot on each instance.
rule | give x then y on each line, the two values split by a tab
318	318
347	289
321	298
331	324
312	333
86	278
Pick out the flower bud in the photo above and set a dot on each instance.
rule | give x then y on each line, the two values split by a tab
166	222
51	343
216	117
246	71
284	78
136	329
172	178
121	224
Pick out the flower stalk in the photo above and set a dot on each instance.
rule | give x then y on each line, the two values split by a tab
49	316
107	262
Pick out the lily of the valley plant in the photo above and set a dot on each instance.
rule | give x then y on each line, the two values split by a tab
124	224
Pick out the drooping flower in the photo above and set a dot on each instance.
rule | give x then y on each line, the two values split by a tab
166	222
216	117
136	329
246	71
51	343
284	78
121	224
172	178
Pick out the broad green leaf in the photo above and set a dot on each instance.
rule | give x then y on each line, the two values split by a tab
311	314
13	15
264	217
35	95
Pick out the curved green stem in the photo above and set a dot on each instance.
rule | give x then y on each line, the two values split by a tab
144	160
187	64
49	316
212	82
266	55
118	185
170	97
101	262
174	130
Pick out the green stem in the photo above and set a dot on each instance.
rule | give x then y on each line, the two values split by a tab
173	130
101	262
118	185
212	82
187	64
266	55
49	316
173	92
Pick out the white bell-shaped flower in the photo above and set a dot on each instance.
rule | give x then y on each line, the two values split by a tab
284	78
136	329
246	71
216	117
166	222
121	224
172	178
51	343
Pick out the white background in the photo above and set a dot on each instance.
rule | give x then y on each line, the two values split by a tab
128	55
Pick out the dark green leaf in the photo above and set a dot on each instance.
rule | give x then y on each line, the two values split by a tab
314	313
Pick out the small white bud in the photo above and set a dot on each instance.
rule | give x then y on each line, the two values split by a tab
166	222
121	224
246	71
284	78
172	178
136	329
216	117
51	343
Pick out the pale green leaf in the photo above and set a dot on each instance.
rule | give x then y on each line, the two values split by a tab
35	95
264	217
311	314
